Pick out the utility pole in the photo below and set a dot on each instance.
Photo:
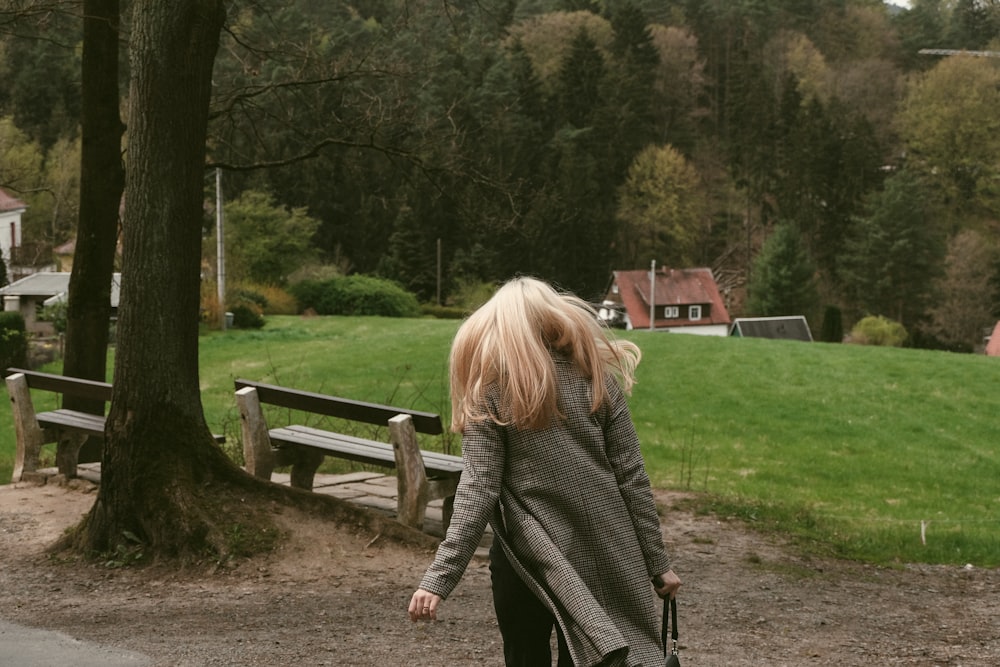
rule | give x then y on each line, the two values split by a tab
220	249
652	295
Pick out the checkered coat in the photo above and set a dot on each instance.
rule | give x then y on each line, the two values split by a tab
573	508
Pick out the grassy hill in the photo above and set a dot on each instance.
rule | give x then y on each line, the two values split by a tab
884	455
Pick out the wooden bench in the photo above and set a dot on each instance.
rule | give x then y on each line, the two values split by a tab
422	476
69	429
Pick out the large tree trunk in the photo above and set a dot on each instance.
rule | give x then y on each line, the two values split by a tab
102	178
161	471
164	481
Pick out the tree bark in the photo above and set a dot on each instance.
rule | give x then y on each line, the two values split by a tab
161	465
102	178
167	488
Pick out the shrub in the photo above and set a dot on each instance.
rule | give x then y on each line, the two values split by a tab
309	293
247	306
878	330
242	294
247	316
269	299
356	295
470	294
57	314
13	340
260	299
278	301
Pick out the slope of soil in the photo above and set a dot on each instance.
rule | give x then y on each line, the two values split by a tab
337	595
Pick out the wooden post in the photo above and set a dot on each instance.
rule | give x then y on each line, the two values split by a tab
411	501
28	432
257	454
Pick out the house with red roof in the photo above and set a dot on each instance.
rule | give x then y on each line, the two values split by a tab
677	300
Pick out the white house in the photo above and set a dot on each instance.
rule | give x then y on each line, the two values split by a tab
11	209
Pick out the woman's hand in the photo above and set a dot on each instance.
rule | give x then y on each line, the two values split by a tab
423	606
667	584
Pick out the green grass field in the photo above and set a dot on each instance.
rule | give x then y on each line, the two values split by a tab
876	454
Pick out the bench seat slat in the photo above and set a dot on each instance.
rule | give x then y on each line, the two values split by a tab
72	419
83	422
362	450
353	448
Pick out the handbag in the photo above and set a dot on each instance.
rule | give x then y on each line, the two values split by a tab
670	629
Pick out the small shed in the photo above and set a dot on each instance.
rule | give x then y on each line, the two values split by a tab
32	293
792	327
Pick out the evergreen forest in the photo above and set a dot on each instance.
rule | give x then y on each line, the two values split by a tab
827	158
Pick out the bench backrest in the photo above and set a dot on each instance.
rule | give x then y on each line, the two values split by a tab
62	384
344	408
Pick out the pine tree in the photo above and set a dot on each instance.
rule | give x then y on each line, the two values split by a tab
634	119
783	280
580	82
894	253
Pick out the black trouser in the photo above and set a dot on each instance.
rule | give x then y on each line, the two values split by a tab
525	623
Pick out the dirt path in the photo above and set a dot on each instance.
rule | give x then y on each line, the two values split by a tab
333	595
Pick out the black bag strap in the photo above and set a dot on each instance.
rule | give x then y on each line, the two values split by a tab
669	625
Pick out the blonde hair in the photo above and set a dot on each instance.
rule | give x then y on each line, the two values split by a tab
508	345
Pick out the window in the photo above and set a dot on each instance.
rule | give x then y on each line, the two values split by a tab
694	313
671	312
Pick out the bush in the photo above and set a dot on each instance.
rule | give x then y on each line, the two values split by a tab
246	295
356	295
246	316
13	340
57	314
878	330
259	300
278	301
470	294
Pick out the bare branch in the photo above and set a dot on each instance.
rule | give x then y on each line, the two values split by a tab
313	152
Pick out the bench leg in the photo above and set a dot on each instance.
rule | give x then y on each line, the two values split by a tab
68	453
27	431
305	462
257	454
411	478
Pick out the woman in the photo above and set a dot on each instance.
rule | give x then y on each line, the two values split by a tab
552	463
